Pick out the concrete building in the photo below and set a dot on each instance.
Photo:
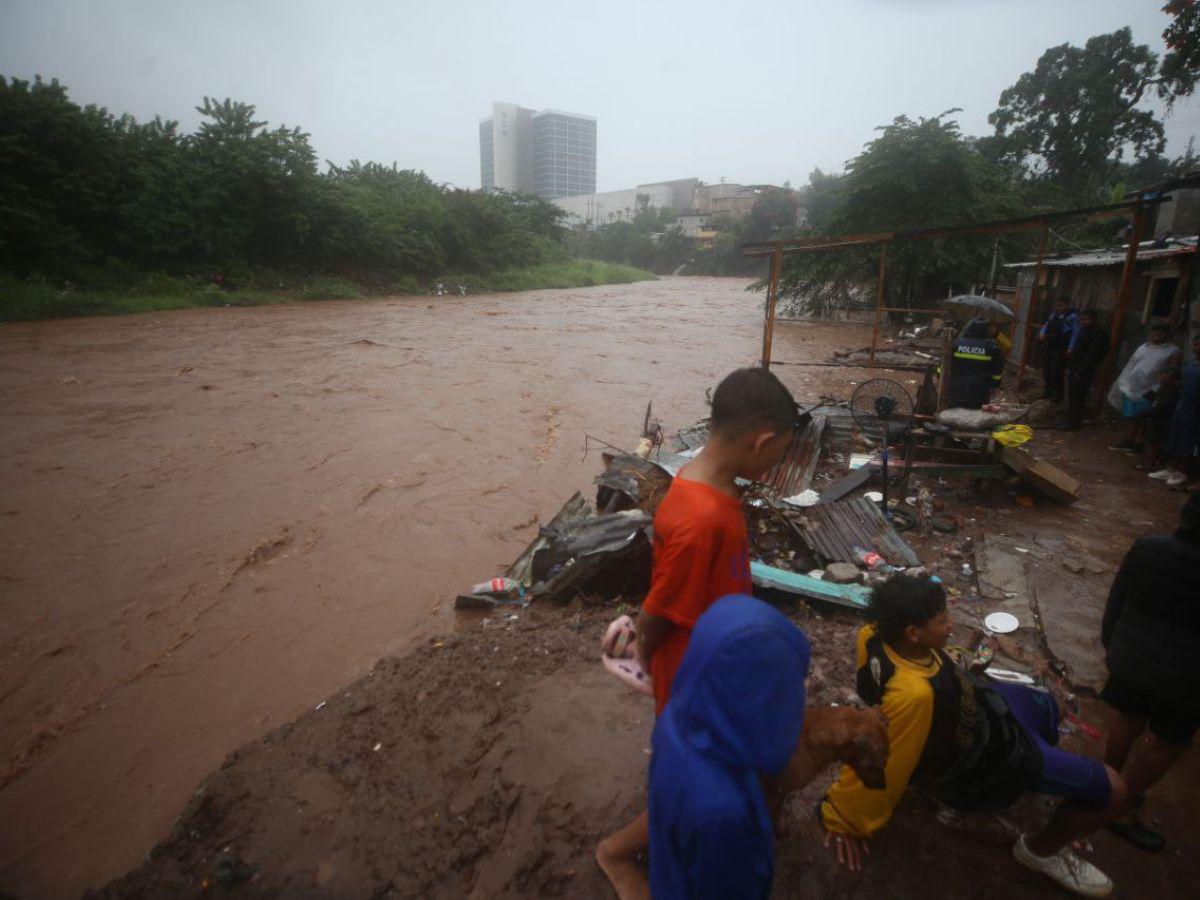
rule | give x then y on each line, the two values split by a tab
506	148
689	197
595	210
548	153
564	154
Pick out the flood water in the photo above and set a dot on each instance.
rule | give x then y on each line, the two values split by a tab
214	518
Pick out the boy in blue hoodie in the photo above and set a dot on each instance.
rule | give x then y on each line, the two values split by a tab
737	706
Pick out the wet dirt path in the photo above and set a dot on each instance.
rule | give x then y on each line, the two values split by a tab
214	518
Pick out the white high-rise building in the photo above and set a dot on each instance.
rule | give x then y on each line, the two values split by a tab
548	153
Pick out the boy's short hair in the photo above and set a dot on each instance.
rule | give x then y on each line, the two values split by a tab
752	398
904	600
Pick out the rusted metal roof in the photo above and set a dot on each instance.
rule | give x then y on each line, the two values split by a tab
1102	258
833	531
795	470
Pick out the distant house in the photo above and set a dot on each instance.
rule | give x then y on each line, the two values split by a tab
692	224
1161	284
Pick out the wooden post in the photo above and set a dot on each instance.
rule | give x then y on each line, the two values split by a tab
944	370
879	298
769	316
1038	271
1118	323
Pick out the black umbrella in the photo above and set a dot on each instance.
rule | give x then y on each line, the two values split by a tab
974	301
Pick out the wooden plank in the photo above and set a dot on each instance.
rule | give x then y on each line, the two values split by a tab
851	481
954	469
853	596
1041	475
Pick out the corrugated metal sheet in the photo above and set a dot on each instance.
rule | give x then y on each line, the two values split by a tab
1101	258
795	470
833	531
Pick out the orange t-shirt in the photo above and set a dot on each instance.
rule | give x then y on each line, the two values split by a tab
701	553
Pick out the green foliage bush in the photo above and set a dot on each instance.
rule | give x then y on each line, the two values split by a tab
96	202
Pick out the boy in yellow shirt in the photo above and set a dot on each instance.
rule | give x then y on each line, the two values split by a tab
973	743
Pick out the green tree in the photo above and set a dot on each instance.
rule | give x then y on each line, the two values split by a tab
820	197
1071	120
1181	64
917	174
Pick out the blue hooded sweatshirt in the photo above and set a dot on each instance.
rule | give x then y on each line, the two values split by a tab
736	707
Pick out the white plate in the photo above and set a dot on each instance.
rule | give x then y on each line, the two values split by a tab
1001	623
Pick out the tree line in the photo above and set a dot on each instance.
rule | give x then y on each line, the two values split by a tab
97	199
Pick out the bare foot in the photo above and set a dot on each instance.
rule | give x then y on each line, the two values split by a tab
624	874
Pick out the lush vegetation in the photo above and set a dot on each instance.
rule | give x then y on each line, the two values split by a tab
101	213
39	298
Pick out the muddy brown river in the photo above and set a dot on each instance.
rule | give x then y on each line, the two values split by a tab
214	518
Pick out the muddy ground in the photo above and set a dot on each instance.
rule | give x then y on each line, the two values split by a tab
489	762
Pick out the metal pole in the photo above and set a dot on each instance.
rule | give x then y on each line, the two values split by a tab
879	297
1118	324
1038	271
992	274
769	318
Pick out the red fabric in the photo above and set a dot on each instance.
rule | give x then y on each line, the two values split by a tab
701	553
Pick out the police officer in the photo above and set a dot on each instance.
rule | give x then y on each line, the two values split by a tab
975	368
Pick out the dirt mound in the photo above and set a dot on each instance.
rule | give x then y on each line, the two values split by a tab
489	764
482	764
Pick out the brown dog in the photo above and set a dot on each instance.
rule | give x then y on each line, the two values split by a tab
857	737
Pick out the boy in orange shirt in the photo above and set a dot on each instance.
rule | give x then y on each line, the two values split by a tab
701	553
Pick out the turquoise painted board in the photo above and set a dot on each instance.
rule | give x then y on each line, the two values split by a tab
852	596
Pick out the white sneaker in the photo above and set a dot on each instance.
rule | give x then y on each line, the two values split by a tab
1175	479
1066	868
1161	474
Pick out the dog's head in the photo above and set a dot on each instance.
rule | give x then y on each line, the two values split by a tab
866	750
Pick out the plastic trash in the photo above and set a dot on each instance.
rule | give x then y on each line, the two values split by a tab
874	561
804	498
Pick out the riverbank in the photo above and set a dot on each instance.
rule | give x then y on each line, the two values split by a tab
489	761
31	300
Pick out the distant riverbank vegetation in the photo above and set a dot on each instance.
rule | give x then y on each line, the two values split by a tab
101	213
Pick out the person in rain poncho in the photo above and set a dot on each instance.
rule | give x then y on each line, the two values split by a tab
1141	377
735	714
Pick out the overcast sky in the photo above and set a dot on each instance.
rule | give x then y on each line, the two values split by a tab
753	91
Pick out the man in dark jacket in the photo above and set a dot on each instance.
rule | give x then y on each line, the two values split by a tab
735	713
1055	336
1088	348
976	367
1151	629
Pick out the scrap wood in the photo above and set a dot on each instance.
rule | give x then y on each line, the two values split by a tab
852	596
851	481
1041	475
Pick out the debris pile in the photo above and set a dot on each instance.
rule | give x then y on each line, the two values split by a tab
815	530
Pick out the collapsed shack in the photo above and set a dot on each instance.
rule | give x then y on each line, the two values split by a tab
828	546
